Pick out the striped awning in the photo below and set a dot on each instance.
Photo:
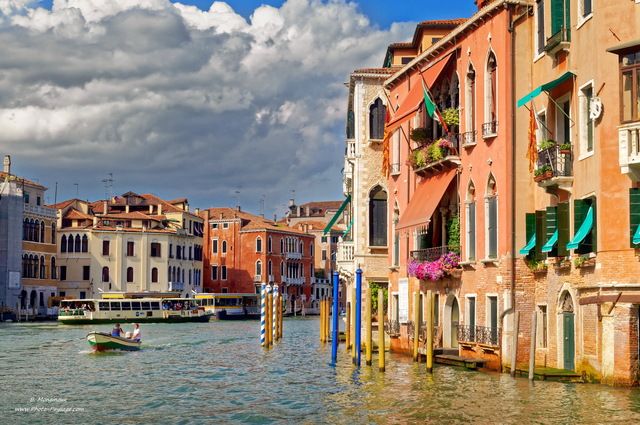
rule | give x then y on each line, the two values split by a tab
529	246
583	231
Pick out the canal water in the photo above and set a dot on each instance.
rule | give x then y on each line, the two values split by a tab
217	372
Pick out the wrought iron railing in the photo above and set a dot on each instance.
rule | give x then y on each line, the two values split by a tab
432	254
469	138
392	327
558	159
563	35
490	129
479	334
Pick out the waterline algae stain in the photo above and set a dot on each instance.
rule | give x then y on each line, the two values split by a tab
218	372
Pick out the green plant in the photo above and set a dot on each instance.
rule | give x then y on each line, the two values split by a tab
562	260
546	144
451	116
453	233
374	286
565	146
419	134
435	152
546	168
538	172
535	265
579	261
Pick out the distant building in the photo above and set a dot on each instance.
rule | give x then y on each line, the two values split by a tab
242	251
322	211
27	246
129	244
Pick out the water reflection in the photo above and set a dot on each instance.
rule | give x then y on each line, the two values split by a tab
218	372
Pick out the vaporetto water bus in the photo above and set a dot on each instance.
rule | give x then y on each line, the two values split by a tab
229	306
132	308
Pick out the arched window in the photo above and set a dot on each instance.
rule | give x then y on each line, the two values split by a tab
270	268
105	274
85	243
154	275
36	265
42	231
25	265
42	267
377	217
302	248
129	274
78	244
350	125
259	268
282	269
470	206
311	253
224	247
377	112
63	243
492	218
70	243
53	233
178	275
282	245
270	244
190	277
470	106
490	97
258	244
25	229
33	230
54	272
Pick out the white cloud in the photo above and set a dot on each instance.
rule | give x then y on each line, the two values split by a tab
180	102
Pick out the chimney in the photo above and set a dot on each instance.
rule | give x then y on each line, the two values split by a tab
291	202
275	217
159	209
261	215
95	220
197	211
105	207
126	208
306	210
150	209
7	164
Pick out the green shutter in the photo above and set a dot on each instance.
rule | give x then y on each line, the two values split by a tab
530	224
564	230
541	234
551	227
594	229
634	213
581	208
558	15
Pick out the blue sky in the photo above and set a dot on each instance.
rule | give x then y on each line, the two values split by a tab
196	102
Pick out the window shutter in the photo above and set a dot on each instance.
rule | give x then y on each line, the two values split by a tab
594	229
557	15
493	227
564	228
471	229
634	214
550	228
541	234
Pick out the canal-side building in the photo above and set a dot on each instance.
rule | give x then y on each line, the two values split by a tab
242	251
451	188
27	246
583	224
130	243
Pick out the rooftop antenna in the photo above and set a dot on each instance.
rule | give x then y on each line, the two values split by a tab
262	204
108	185
238	205
76	185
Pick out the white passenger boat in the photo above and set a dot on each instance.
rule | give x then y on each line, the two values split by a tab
129	308
102	341
231	306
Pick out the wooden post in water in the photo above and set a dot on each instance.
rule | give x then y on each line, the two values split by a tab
336	331
416	325
429	341
268	318
514	353
321	320
281	312
381	330
354	313
274	321
532	348
367	324
327	318
347	341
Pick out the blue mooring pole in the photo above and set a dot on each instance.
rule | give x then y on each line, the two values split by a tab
358	343
336	314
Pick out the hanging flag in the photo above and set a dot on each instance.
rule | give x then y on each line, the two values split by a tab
385	145
532	148
432	108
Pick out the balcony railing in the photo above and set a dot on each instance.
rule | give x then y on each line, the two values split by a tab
558	41
345	251
432	254
479	334
36	209
490	129
469	139
296	281
629	148
450	157
559	160
351	149
392	327
293	256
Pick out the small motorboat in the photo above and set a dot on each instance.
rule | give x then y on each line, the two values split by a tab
101	341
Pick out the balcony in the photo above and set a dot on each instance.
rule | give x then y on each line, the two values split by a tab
469	139
293	256
558	41
293	281
629	148
437	156
345	257
36	209
554	168
350	152
257	278
489	129
479	335
432	254
176	286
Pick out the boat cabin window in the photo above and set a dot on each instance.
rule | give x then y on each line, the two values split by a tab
155	305
126	305
135	305
115	306
146	305
103	305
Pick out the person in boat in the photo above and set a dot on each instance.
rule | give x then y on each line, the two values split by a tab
117	330
136	333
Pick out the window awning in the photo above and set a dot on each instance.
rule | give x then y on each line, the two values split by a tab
414	99
623	48
583	231
529	246
545	87
636	236
425	200
548	247
337	215
346	232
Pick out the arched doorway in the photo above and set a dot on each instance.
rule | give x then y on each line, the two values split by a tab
450	322
32	298
568	332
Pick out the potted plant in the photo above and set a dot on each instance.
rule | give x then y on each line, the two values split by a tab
419	134
537	266
451	116
584	261
563	263
547	172
546	144
565	148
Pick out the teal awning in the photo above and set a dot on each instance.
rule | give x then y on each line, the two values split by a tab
344	235
583	231
337	215
636	236
529	246
545	87
548	247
